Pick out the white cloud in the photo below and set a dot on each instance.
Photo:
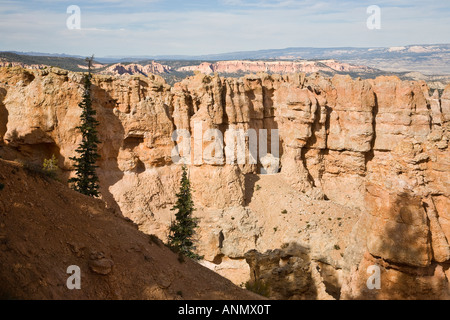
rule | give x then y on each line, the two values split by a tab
243	25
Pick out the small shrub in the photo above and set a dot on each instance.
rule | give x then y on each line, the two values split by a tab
154	239
50	167
336	247
33	169
284	211
43	171
275	229
180	293
258	287
180	257
257	187
172	248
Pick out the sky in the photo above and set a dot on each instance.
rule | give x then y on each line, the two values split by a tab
176	27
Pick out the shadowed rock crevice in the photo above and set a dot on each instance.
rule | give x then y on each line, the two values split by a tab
112	139
250	185
33	148
3	116
285	272
132	141
400	244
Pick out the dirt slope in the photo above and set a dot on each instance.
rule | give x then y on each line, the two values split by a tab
46	227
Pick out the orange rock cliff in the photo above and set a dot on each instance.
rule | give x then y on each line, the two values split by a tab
363	180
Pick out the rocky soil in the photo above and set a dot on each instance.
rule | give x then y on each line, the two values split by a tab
45	227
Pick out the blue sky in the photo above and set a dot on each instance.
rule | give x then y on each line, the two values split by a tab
157	27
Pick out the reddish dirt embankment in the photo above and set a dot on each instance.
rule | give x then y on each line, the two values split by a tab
46	227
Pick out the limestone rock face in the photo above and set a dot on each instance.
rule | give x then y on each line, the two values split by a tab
285	273
359	170
397	282
137	69
399	229
273	66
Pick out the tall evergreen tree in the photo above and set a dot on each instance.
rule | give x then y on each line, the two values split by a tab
182	230
86	180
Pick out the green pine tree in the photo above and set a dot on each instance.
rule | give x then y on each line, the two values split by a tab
182	230
86	180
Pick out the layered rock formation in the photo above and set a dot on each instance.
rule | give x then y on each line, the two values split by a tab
9	64
364	170
239	66
236	66
136	69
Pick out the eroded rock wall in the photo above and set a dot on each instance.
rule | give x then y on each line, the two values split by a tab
364	170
